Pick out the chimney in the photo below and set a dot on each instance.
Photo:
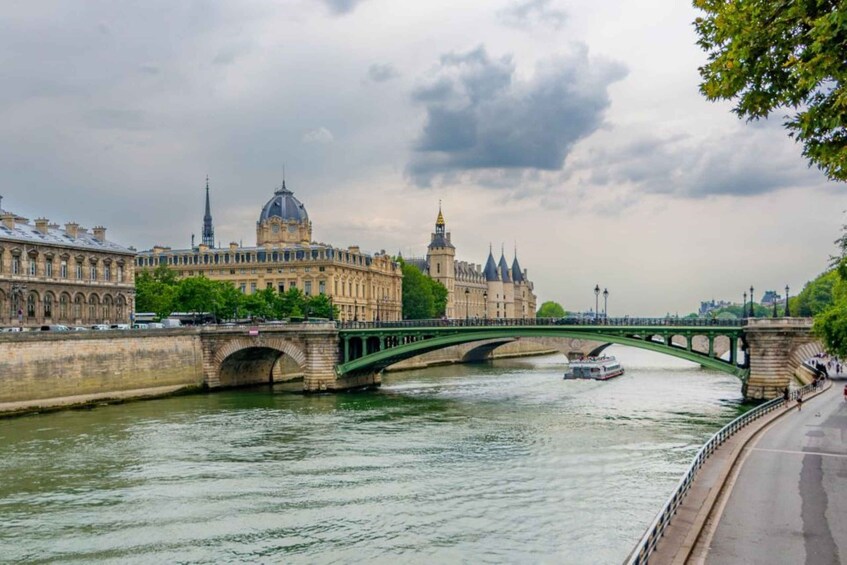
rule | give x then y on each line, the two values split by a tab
233	246
100	233
8	220
41	224
72	229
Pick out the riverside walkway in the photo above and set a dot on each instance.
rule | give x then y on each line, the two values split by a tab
789	501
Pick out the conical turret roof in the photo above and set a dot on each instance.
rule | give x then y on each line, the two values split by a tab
490	272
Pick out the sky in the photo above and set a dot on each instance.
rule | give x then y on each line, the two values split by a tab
571	131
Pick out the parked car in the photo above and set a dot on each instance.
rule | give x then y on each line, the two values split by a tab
12	329
139	326
155	326
100	327
55	328
79	329
171	323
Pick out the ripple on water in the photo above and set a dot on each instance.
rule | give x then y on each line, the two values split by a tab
489	463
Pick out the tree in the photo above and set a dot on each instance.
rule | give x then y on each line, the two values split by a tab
776	55
418	302
439	298
321	307
551	309
156	292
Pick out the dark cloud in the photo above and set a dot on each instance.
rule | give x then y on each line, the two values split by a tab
480	116
382	72
342	6
528	13
750	161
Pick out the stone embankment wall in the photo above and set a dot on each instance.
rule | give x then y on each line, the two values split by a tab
44	369
779	346
496	349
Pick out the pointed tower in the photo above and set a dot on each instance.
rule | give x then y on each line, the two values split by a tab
208	227
441	261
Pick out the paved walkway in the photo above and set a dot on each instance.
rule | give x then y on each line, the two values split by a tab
789	501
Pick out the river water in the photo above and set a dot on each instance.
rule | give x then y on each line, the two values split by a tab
500	462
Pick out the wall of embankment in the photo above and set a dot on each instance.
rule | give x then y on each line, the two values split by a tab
42	370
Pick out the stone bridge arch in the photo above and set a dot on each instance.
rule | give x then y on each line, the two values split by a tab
250	360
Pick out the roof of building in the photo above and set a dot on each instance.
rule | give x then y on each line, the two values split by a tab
418	262
490	270
504	269
285	206
27	233
517	273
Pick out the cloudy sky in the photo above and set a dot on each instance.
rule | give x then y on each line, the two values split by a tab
571	129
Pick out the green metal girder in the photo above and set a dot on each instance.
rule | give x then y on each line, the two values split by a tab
448	336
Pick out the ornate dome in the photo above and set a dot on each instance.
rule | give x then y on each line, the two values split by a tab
284	205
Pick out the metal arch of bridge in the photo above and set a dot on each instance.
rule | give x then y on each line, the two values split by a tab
373	347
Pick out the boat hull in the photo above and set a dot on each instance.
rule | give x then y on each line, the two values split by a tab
611	375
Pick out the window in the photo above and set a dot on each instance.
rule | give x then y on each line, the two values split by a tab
30	306
281	287
322	287
78	307
438	268
107	273
16	265
79	271
63	269
48	306
252	288
307	288
32	267
48	269
243	288
92	273
120	273
63	307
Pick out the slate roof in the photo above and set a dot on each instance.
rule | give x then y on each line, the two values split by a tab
26	233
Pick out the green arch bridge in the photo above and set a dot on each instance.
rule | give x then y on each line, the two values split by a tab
369	347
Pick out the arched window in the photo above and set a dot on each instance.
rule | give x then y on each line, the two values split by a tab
63	307
92	307
48	305
107	307
78	307
120	304
30	306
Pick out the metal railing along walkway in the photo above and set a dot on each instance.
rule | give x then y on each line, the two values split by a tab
654	533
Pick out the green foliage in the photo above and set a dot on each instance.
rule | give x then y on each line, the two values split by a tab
816	296
162	292
423	297
550	309
777	55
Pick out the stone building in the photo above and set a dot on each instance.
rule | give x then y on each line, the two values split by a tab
364	287
495	291
69	276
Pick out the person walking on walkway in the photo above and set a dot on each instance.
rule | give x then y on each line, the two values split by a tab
799	402
786	395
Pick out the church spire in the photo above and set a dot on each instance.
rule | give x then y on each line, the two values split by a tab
208	227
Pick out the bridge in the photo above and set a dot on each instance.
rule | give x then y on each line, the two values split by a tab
36	367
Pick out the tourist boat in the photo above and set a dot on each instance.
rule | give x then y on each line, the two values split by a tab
597	368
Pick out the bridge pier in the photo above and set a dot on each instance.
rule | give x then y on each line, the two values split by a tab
777	348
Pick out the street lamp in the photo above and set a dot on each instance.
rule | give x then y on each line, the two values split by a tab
377	309
744	308
485	307
331	310
355	311
596	301
752	312
605	303
467	312
787	311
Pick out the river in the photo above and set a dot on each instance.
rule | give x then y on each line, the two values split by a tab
491	463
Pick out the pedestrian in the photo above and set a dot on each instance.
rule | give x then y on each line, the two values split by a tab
786	396
799	402
845	393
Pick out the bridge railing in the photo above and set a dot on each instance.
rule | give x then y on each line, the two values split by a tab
488	322
657	529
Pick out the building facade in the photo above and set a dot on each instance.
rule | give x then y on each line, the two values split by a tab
64	276
495	291
364	287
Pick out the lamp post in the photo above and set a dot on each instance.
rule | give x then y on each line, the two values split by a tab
787	311
377	309
605	304
485	305
355	311
331	310
752	311
467	310
744	308
596	301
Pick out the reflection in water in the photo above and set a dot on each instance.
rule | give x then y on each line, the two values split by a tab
491	463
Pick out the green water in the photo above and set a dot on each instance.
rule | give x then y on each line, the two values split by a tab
502	462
